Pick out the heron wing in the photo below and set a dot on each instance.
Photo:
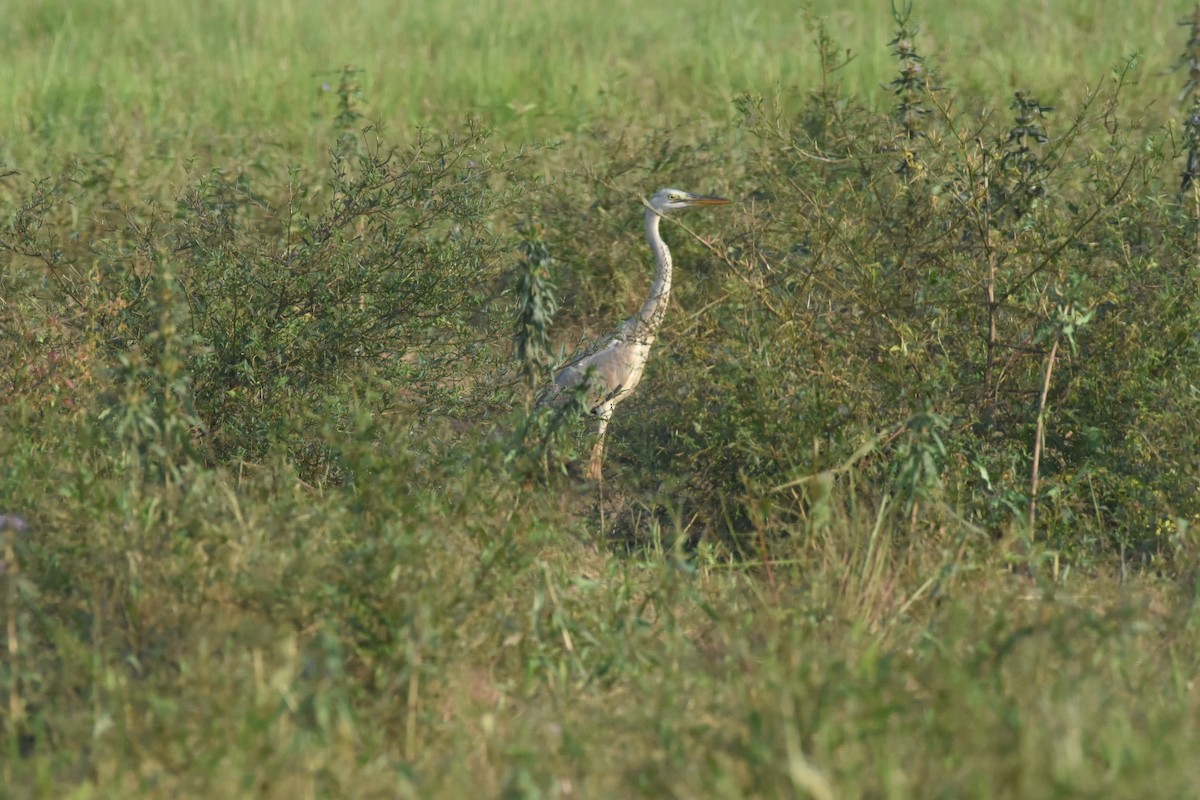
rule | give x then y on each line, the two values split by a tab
614	366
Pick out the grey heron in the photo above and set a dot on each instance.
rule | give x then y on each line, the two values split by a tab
613	365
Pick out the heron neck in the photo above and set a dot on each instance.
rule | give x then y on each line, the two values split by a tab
655	307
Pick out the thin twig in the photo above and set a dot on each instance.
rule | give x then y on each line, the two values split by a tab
1041	430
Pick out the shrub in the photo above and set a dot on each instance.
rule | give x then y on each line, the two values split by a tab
259	299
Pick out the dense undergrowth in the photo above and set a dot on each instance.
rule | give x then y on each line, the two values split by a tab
953	306
904	506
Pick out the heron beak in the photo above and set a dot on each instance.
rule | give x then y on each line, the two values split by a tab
706	200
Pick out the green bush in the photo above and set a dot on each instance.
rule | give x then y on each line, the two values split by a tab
259	299
1024	281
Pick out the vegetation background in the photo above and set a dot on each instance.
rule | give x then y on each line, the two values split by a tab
904	507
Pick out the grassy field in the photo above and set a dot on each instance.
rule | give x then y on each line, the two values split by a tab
904	507
123	72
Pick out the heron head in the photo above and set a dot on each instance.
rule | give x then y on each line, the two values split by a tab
666	200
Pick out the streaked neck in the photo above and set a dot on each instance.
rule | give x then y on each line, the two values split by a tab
655	307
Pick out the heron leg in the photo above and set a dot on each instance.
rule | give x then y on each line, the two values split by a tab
598	452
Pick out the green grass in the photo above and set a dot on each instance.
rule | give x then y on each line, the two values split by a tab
82	77
293	530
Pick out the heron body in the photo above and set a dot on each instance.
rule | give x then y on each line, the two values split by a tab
614	365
